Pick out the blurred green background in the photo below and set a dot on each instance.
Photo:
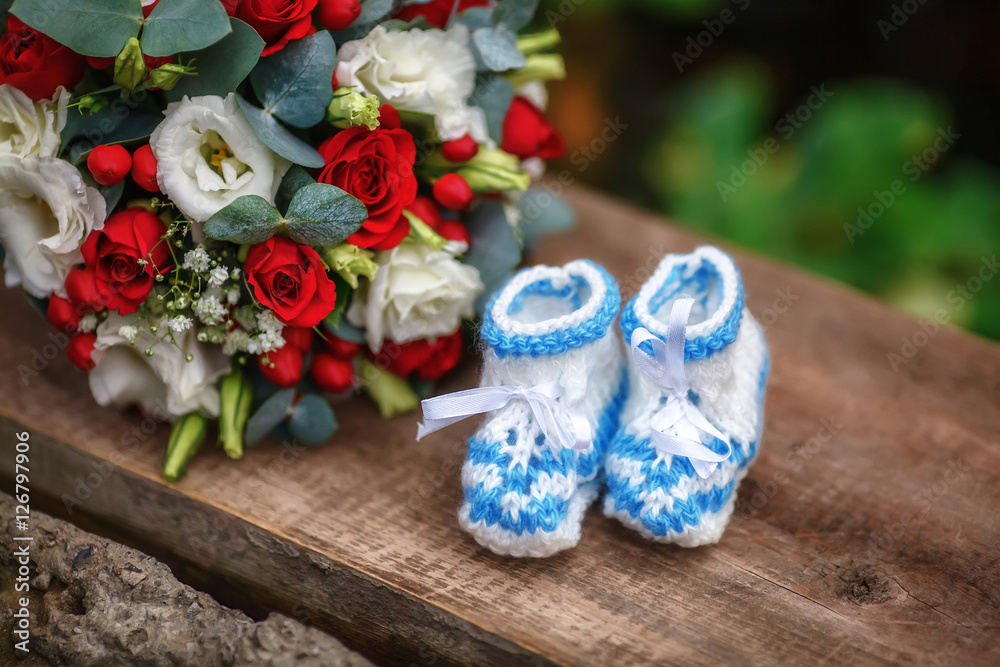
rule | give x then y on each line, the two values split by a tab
854	139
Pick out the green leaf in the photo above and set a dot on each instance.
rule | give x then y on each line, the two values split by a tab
122	121
183	25
312	420
97	28
494	249
222	66
294	179
113	194
278	139
493	94
322	214
514	14
543	213
498	48
474	18
372	11
248	219
344	293
295	84
344	329
271	413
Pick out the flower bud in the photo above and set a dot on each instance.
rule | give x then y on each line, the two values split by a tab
165	77
332	374
391	393
283	366
185	438
81	286
538	41
539	67
144	169
62	314
109	163
494	170
80	347
235	400
352	108
350	262
460	150
130	66
338	14
528	133
452	191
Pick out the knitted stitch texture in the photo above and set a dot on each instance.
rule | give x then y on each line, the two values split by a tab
726	362
545	324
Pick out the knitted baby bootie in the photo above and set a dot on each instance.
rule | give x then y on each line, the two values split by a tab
693	419
553	384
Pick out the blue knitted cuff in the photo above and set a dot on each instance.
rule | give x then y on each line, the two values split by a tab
709	276
523	318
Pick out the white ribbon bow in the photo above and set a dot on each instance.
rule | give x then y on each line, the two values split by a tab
677	427
442	411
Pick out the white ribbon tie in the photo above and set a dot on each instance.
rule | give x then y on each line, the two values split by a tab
442	411
678	426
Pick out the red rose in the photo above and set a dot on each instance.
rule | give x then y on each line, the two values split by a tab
35	63
428	359
437	12
113	255
277	21
290	279
376	166
528	133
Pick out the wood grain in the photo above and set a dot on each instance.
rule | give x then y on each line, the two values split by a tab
867	531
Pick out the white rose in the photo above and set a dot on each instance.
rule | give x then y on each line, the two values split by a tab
47	212
124	375
31	128
417	292
208	155
431	71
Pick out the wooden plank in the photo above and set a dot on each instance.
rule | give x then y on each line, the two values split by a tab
866	532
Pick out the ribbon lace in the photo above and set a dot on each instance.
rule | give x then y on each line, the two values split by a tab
678	426
552	416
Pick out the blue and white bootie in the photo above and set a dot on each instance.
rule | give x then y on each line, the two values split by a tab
553	384
692	422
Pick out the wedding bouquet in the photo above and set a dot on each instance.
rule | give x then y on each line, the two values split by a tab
242	210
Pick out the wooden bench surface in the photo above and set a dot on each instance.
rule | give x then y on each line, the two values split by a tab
867	531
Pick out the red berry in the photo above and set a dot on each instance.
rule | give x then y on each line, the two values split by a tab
79	349
452	191
331	373
336	84
300	337
81	286
144	169
287	366
453	230
460	150
109	163
339	347
388	117
62	314
338	14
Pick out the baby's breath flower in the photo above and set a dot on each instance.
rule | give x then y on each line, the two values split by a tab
233	296
88	322
236	273
268	322
128	332
179	323
209	310
217	276
236	341
270	341
197	260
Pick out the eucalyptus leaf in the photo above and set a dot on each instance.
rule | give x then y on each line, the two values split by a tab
312	421
271	413
493	94
343	328
223	66
183	25
98	28
497	48
493	250
294	179
321	214
474	18
514	14
295	84
248	219
278	139
543	213
121	121
113	194
372	11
